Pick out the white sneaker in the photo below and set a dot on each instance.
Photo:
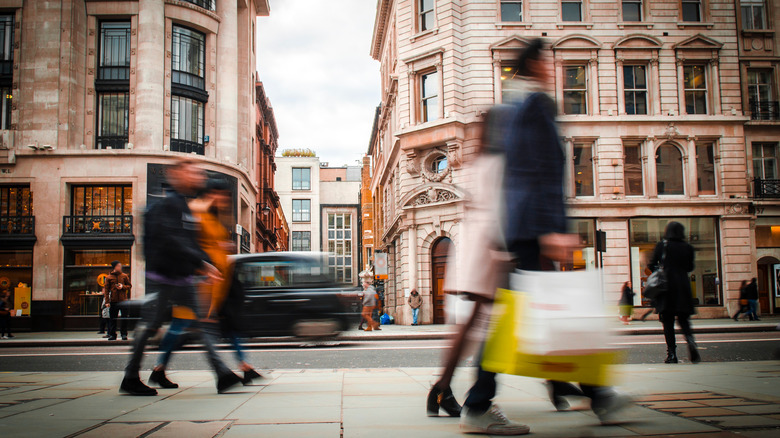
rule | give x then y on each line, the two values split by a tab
492	422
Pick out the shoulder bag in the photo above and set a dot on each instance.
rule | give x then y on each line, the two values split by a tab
657	283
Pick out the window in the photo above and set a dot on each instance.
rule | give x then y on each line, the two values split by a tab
632	10
340	246
205	4
635	88
695	84
575	91
113	85
301	178
114	51
100	209
301	240
632	170
187	117
691	10
511	10
6	105
571	10
81	271
765	158
6	69
16	210
188	59
585	257
429	96
425	15
301	210
760	95
705	168
508	72
439	164
283	273
669	170
583	169
753	14
113	120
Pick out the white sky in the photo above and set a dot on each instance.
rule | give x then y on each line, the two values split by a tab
313	59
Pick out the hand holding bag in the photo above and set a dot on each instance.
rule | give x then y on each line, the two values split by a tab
657	283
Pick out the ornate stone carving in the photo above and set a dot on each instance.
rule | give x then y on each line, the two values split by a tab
433	196
671	131
427	163
736	209
412	164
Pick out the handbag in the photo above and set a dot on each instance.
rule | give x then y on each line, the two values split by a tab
105	312
657	283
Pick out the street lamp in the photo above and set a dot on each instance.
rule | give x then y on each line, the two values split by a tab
265	208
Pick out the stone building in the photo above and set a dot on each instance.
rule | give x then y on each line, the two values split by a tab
652	112
297	183
366	216
98	98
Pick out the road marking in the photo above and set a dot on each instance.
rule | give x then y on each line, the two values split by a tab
706	341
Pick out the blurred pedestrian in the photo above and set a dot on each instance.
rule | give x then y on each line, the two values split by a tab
118	289
5	314
743	302
369	303
751	295
626	303
173	260
677	258
415	301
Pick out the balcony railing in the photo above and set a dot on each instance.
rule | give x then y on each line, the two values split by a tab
113	142
766	188
246	242
187	146
767	110
205	4
97	225
17	225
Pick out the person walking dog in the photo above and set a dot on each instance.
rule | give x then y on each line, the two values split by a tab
415	302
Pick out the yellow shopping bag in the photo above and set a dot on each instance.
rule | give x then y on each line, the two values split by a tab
506	349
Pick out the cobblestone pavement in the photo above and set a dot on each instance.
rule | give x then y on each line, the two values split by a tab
705	400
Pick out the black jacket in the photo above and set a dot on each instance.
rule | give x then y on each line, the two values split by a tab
751	292
626	297
171	243
677	265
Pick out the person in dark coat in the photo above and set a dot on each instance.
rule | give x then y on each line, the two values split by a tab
677	301
751	295
626	303
743	304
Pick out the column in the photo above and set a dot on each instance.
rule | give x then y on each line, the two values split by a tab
680	87
593	66
691	177
715	71
655	88
227	83
621	95
648	161
411	248
150	76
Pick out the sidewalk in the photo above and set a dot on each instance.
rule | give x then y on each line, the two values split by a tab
683	400
393	332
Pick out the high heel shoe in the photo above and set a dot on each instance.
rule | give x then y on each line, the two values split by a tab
249	375
438	399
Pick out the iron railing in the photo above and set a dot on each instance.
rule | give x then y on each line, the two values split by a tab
113	142
205	4
246	242
767	110
17	225
187	146
766	188
99	225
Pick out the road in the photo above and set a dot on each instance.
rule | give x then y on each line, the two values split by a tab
727	347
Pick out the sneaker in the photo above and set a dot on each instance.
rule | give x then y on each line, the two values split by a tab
124	338
609	403
134	386
492	422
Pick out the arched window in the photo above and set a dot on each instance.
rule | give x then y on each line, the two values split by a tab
669	170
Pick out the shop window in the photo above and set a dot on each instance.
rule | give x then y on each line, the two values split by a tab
301	210
635	89
16	271
83	273
669	170
583	169
691	10
429	96
632	170
301	240
767	236
16	210
301	178
585	256
632	10
511	11
701	233
753	14
765	161
695	85
575	91
340	246
705	168
571	10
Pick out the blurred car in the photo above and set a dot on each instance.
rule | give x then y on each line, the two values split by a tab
292	294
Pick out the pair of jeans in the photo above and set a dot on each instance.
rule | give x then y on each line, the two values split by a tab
113	311
415	314
206	333
753	308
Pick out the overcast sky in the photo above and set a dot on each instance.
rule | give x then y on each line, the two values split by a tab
313	59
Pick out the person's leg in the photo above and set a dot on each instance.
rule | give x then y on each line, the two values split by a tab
153	314
238	348
671	344
754	309
113	312
170	342
123	323
103	323
480	396
415	315
685	327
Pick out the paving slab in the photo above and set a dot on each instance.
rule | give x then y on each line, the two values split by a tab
190	429
314	430
119	430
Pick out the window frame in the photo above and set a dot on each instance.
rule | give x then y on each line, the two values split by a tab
308	180
120	71
577	143
751	4
513	2
636	90
641	11
763	159
114	140
194	81
187	145
582	10
422	101
700	10
683	176
642	175
304	237
699	167
420	16
586	92
301	215
705	90
118	188
339	234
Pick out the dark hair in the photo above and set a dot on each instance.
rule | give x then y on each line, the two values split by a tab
674	231
532	52
114	263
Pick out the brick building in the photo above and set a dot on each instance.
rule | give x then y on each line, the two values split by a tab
270	220
98	97
653	112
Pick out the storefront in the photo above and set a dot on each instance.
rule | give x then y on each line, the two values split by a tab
768	263
17	238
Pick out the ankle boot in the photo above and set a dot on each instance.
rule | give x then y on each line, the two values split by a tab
671	355
158	378
693	350
249	375
443	399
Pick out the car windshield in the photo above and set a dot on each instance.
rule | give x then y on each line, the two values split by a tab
283	273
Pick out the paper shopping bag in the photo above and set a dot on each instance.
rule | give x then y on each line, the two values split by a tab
552	325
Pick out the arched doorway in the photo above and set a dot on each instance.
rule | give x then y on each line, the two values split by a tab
439	252
767	285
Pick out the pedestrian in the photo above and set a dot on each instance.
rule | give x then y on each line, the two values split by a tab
751	295
369	303
173	260
743	302
118	289
104	312
676	257
415	301
626	303
361	296
5	314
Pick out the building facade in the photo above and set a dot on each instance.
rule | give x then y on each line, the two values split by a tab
269	220
98	98
340	213
652	114
297	183
366	215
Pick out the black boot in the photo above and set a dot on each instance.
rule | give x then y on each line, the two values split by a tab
158	378
693	350
134	386
249	375
227	381
671	355
444	400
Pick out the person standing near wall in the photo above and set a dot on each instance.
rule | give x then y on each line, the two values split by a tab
415	302
118	289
